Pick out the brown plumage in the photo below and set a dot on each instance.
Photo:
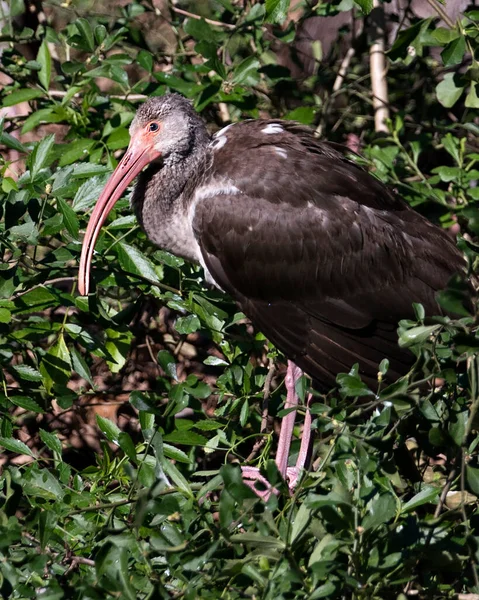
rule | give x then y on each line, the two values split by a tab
321	256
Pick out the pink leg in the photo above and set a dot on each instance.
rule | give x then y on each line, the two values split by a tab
287	424
290	474
294	472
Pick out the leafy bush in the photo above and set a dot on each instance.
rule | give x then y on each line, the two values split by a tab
157	508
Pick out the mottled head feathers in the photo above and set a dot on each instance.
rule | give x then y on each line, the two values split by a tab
159	107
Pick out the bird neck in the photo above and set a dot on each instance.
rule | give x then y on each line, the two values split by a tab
162	196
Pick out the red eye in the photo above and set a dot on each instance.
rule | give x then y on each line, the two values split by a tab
154	126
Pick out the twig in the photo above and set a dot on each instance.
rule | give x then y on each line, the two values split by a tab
132	97
43	284
266	395
151	353
344	66
186	13
264	414
224	113
445	491
377	61
79	560
442	13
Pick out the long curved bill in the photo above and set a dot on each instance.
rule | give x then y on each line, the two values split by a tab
138	155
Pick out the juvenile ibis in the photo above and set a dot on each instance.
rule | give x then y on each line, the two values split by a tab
321	256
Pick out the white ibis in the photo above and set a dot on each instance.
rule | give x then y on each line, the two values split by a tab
321	256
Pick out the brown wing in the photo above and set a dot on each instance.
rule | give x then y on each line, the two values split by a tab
322	257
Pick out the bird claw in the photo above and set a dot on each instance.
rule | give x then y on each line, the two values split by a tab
251	475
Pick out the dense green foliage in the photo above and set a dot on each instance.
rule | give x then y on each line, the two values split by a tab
158	508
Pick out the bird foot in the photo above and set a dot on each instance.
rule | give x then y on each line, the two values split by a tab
251	475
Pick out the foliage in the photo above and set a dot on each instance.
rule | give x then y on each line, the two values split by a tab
159	509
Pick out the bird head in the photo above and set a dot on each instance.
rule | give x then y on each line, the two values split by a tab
163	130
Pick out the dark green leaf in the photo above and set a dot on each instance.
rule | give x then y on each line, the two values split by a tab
22	95
45	61
416	335
425	496
366	6
448	91
186	438
167	363
26	403
109	429
132	260
15	446
276	10
69	218
51	441
26	372
453	53
199	30
189	324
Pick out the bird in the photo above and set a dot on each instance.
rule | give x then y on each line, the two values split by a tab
320	255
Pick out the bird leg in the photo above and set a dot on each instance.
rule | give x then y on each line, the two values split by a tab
287	424
289	474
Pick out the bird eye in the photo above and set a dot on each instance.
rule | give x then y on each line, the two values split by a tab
153	127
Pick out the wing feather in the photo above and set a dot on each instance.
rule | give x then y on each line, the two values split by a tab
322	257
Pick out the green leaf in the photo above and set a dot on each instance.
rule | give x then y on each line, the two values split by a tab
145	60
9	140
132	260
427	495
42	483
300	522
88	193
458	423
40	155
168	363
366	6
27	403
5	315
246	73
120	138
45	61
326	590
380	510
27	372
186	438
80	366
407	39
472	476
53	114
416	335
472	99
51	441
118	345
56	365
199	30
448	91
444	35
75	151
109	429
453	53
188	324
276	11
16	446
352	386
126	444
258	540
215	361
69	218
21	95
86	33
176	454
